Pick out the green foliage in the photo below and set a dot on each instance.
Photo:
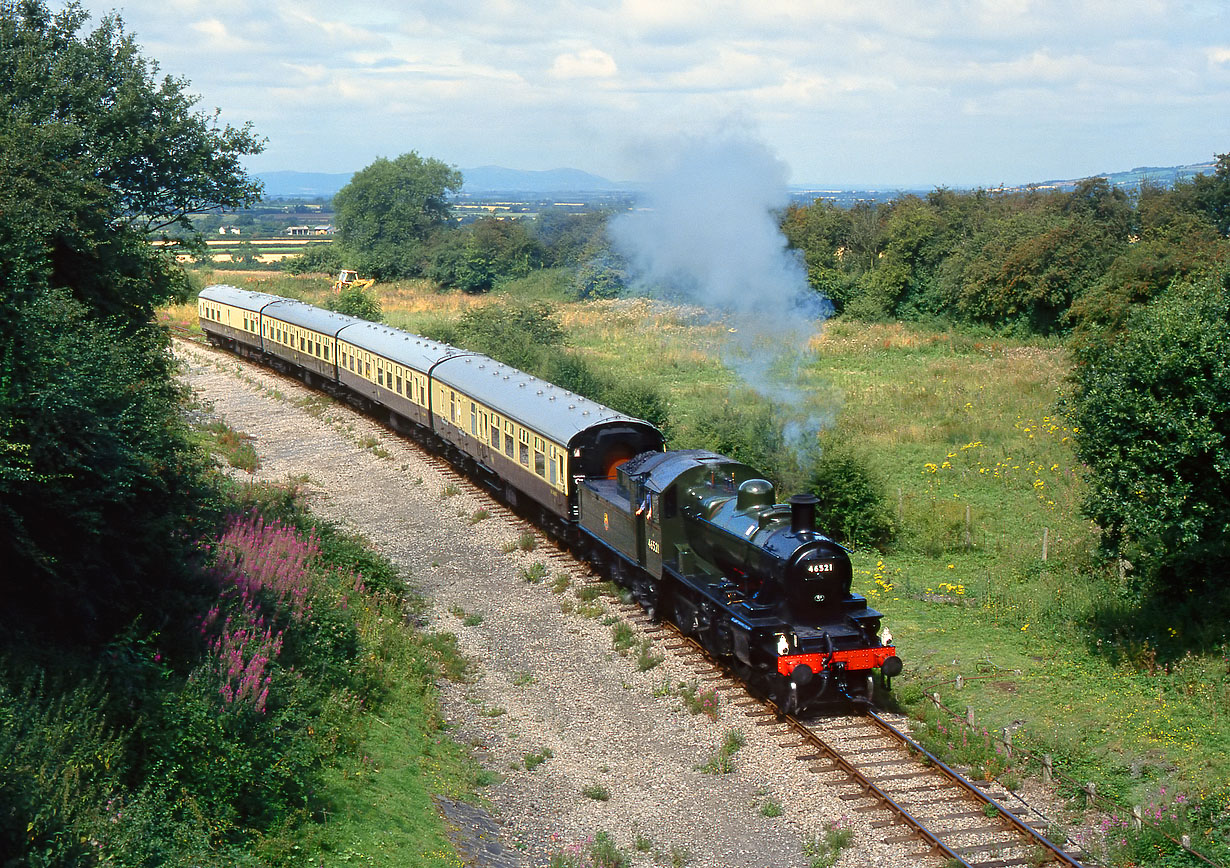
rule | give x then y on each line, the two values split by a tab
102	482
823	851
484	254
390	208
1209	195
722	761
853	508
358	302
1034	262
97	156
61	765
321	257
746	429
98	480
1150	406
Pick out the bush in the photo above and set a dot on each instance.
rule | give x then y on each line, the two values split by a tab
358	302
1150	411
319	257
749	431
853	508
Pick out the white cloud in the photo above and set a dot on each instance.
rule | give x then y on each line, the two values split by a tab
586	63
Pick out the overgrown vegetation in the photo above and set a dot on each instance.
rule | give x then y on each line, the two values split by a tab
233	747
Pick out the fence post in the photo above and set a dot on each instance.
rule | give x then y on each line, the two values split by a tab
960	682
1048	768
1137	817
1008	741
1046	535
969	716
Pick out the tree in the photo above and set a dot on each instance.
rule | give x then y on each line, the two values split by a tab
1152	408
1210	194
389	210
103	156
97	476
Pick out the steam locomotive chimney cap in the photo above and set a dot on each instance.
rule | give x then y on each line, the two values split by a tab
803	512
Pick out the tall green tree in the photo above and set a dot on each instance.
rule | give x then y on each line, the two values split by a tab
390	208
98	155
1152	407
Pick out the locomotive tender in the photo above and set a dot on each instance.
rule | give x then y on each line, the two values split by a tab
695	536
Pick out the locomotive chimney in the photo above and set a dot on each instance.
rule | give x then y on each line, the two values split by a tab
803	512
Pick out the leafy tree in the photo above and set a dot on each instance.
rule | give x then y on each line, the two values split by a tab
565	238
1209	195
486	253
1152	407
853	508
97	479
389	210
103	155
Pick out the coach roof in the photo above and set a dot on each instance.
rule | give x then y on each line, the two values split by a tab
245	299
544	407
405	348
306	316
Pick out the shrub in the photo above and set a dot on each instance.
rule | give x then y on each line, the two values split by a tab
853	508
358	302
323	257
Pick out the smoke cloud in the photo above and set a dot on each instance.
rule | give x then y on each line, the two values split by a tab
707	234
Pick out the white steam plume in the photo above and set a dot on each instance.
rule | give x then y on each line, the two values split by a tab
708	235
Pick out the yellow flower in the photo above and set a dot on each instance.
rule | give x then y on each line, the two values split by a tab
1026	627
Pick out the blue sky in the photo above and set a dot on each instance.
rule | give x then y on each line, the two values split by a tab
843	92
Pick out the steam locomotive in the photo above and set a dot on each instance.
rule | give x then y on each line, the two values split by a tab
695	536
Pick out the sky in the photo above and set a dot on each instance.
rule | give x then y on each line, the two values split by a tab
845	93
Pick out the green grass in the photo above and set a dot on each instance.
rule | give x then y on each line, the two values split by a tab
382	813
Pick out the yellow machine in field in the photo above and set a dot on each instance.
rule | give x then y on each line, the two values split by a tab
347	279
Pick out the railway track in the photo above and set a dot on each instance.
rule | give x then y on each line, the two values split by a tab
884	771
914	796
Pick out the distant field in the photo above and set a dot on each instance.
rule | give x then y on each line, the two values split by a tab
267	249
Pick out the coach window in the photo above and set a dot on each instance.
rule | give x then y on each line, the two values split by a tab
473	418
540	461
552	465
495	433
318	352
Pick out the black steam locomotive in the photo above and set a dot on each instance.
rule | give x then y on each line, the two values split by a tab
700	538
697	537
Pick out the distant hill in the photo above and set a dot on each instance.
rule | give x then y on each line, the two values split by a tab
483	179
488	180
1164	176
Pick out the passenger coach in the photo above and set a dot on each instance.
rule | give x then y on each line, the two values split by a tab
528	437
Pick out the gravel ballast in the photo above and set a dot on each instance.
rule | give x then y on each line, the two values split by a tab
610	748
